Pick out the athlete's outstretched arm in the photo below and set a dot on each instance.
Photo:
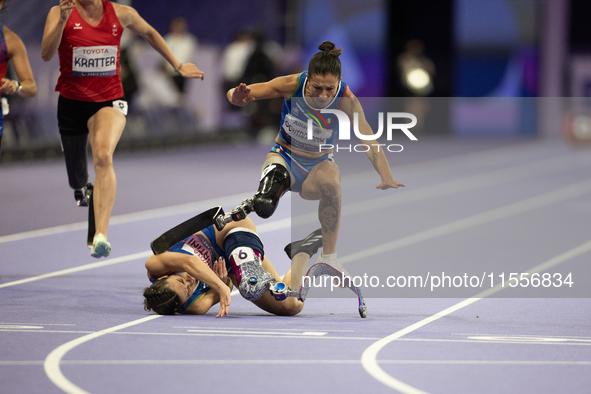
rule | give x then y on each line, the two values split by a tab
54	28
130	19
167	262
275	88
375	154
18	53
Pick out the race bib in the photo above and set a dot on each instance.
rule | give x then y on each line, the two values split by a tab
99	61
297	129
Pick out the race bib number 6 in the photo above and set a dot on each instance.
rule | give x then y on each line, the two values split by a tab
99	61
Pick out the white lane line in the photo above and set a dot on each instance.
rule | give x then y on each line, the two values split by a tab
538	339
51	365
522	336
307	333
194	208
283	361
19	326
205	334
299	336
369	356
261	229
80	268
41	324
247	328
529	204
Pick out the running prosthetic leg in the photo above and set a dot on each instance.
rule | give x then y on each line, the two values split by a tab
82	196
245	251
275	181
235	215
326	268
91	224
185	229
75	147
253	280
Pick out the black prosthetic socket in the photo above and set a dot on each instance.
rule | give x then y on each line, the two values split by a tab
274	184
76	162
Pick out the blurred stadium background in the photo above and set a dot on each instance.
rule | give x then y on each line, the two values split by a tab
521	68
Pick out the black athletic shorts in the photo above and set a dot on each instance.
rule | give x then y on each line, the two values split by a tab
73	115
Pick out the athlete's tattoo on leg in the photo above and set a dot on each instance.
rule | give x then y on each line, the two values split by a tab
329	209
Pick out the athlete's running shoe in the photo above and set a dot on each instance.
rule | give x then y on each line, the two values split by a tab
100	246
309	245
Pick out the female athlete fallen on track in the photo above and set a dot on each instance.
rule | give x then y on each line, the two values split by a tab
192	275
87	34
297	163
12	48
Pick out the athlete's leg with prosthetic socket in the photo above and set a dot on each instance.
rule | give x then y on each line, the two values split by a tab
75	148
275	181
245	251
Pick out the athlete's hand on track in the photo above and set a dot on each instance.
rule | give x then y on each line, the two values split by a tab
225	300
240	95
391	183
66	7
189	70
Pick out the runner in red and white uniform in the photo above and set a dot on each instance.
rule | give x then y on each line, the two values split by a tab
12	48
87	35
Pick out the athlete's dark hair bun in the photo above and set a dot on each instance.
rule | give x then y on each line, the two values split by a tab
327	46
330	47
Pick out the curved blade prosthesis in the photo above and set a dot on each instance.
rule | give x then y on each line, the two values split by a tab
320	269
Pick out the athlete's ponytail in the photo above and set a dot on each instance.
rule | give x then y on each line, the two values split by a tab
326	61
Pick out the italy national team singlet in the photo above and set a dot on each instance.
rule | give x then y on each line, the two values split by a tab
295	115
89	58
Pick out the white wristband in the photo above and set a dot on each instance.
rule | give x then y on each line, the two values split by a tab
19	87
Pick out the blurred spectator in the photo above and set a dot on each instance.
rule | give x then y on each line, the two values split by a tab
260	67
235	58
183	45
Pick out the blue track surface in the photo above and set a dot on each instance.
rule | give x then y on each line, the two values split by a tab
468	206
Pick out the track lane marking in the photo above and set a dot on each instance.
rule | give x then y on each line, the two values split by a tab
51	365
369	356
283	361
